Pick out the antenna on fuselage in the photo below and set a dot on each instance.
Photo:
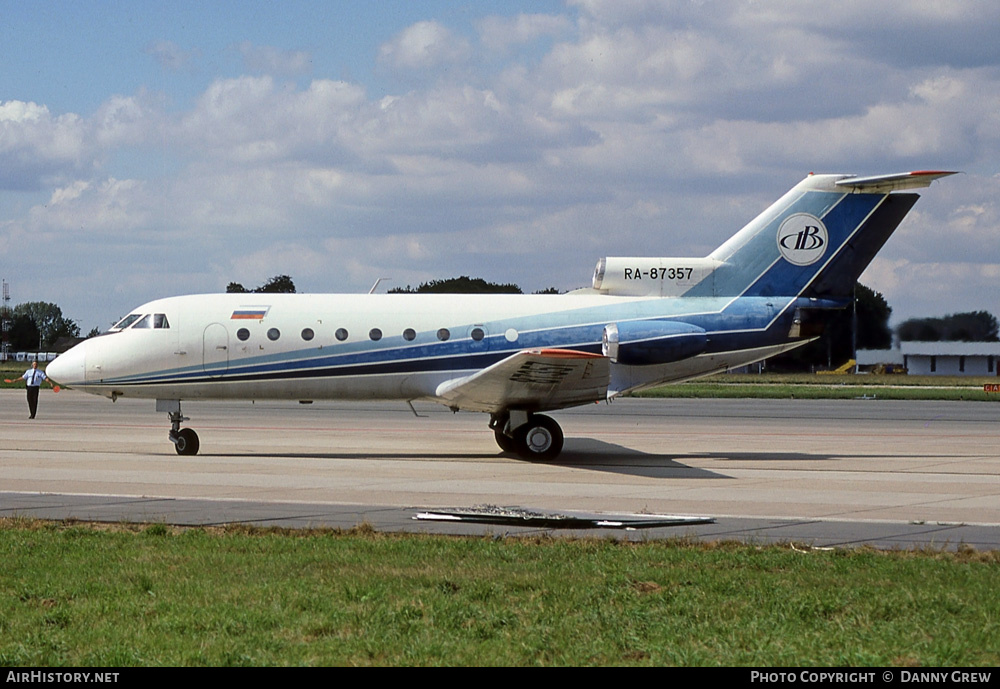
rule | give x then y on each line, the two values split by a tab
375	286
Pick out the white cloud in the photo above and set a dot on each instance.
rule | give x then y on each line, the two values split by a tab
40	149
425	45
500	33
37	147
270	60
304	263
19	111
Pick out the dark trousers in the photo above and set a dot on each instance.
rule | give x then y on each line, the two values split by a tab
33	399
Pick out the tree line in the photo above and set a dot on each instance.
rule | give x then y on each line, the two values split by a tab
971	326
279	284
36	326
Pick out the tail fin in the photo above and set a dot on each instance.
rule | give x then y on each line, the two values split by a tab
817	239
813	241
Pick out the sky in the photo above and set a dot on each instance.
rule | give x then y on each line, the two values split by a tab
150	149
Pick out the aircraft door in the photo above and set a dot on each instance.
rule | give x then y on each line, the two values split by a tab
215	350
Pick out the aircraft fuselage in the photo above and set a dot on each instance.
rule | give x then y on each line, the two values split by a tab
394	346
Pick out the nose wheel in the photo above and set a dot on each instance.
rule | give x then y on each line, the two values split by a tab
185	440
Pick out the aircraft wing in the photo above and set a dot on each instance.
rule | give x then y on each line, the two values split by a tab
533	380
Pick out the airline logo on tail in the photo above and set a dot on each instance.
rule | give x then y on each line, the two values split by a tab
802	239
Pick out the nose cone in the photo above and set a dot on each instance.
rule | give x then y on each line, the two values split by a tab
68	369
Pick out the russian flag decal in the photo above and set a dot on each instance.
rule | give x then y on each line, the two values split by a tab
252	313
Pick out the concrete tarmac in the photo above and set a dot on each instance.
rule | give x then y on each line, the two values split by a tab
818	473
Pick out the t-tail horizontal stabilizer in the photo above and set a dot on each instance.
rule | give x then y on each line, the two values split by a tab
883	184
817	239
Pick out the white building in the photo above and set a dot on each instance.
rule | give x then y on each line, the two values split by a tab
938	358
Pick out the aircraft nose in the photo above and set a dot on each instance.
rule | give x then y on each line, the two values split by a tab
68	368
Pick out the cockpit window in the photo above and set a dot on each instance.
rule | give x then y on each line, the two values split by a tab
127	321
137	322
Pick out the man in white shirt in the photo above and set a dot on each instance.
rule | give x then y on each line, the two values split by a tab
34	379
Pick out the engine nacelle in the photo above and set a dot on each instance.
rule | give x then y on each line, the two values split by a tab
651	277
643	343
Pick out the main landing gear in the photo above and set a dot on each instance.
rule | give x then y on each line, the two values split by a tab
185	440
534	437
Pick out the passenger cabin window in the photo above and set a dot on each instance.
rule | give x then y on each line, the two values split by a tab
409	334
444	334
308	334
243	334
375	334
273	334
341	334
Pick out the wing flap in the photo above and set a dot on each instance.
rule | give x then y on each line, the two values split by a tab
533	379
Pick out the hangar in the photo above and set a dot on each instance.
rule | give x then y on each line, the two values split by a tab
937	358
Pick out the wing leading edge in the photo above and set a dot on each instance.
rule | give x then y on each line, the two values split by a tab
532	380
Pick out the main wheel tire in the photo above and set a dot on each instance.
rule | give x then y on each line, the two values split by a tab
506	443
541	439
186	442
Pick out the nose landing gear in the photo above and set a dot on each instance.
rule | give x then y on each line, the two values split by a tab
185	440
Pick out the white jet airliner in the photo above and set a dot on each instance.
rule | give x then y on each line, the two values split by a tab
645	322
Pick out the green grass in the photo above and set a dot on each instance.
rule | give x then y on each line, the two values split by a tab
78	595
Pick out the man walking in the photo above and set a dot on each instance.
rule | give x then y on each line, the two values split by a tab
34	379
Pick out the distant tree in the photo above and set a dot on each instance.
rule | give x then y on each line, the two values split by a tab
835	346
94	332
971	326
49	321
873	319
920	330
547	290
459	285
279	283
23	334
